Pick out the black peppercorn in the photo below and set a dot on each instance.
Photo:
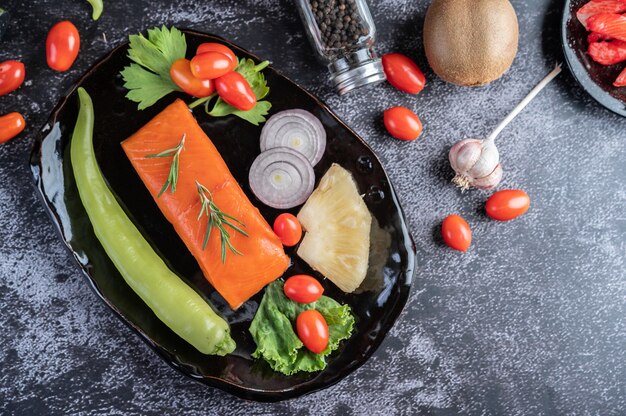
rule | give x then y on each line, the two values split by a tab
339	23
342	34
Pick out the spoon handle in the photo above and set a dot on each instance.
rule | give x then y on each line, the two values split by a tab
556	71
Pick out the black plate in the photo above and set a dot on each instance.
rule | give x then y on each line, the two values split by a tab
116	119
594	78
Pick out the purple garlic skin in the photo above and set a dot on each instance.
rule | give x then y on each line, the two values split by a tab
476	164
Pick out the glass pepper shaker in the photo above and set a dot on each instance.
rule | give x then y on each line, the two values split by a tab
343	34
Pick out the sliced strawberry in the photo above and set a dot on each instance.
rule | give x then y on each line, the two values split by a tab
608	24
608	53
599	6
597	37
621	79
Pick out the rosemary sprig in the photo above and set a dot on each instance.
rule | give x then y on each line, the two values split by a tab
172	178
218	219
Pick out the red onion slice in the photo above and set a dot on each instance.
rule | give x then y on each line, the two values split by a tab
297	129
282	178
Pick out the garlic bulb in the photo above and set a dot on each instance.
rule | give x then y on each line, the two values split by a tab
476	162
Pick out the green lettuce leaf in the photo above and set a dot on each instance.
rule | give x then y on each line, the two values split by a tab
276	340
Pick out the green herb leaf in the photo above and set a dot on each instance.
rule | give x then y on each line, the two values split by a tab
252	73
254	116
145	88
174	153
218	219
148	79
278	344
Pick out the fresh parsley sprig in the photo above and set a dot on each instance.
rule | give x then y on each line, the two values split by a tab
174	153
148	77
252	73
218	219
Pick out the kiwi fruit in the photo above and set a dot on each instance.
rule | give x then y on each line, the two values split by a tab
470	42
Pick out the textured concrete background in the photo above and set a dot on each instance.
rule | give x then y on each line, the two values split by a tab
530	321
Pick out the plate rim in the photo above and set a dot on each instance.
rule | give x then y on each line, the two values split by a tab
405	278
578	70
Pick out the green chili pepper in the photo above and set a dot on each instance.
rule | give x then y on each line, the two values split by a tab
173	302
97	6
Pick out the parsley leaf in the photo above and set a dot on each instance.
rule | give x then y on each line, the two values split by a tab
146	88
254	116
252	73
148	79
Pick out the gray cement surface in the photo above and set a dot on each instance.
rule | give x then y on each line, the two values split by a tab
531	321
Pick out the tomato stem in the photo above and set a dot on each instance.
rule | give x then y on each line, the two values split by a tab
261	66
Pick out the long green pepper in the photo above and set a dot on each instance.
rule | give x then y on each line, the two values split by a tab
97	7
173	302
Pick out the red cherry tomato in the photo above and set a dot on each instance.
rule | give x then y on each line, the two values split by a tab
456	233
302	288
11	125
507	204
403	73
312	330
217	47
211	65
235	90
402	123
180	72
288	229
62	46
11	76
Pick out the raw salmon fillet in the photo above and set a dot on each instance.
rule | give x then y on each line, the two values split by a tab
263	259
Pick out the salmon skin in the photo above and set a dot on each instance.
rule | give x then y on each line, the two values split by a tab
262	258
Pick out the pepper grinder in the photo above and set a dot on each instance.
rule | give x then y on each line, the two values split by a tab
343	34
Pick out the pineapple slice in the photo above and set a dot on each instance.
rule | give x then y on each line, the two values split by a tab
337	224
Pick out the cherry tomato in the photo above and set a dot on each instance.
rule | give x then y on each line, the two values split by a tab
456	233
211	65
235	90
302	288
312	330
402	123
403	73
507	204
11	76
217	47
11	125
180	72
62	46
288	229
